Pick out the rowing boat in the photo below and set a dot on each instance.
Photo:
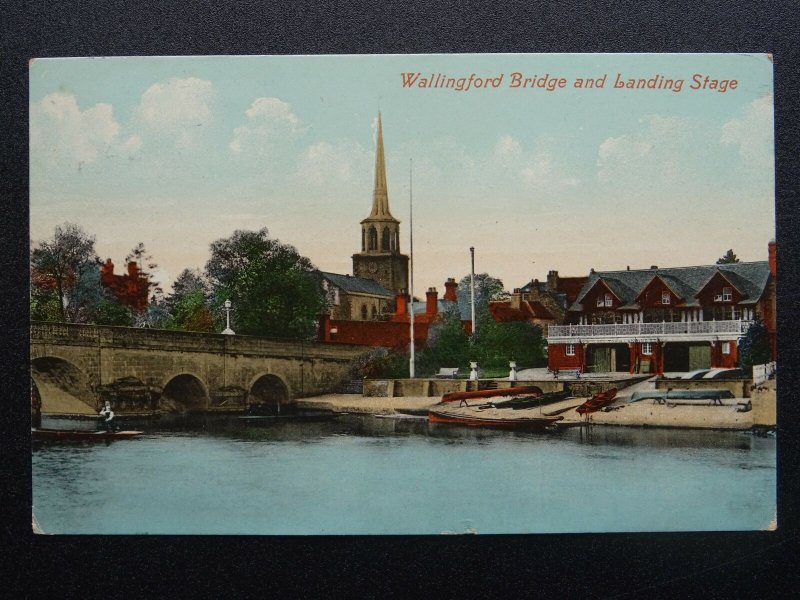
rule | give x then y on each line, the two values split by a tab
529	390
597	402
72	434
518	424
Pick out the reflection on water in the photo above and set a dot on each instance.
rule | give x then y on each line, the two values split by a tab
362	474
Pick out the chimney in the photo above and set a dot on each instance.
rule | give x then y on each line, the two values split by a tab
552	280
401	303
450	290
133	269
773	265
654	267
516	298
107	271
431	299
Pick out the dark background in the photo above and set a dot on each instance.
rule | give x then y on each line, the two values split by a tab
743	564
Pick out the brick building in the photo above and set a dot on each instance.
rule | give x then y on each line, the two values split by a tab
541	303
131	289
664	320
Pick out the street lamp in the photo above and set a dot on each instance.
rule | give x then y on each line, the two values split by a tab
228	330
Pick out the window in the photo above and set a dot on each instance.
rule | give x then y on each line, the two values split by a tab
726	347
647	348
665	297
363	312
600	302
608	300
570	350
334	292
727	294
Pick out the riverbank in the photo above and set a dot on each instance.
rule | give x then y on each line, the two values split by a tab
644	413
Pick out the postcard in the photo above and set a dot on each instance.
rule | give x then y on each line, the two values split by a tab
403	294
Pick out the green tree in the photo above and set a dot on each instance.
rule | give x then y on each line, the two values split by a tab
58	263
495	344
275	291
754	347
447	345
188	304
728	258
110	311
486	288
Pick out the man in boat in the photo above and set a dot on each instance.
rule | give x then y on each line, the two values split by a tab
108	416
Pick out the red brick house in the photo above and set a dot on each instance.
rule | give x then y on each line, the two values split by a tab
664	320
131	289
390	330
540	303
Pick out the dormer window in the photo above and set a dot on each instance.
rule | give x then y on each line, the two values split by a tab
665	298
727	294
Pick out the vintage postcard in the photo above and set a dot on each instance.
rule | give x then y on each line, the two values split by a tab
403	294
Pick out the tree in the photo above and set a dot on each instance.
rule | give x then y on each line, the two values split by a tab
486	288
496	344
147	265
188	305
754	346
59	262
274	290
728	258
447	345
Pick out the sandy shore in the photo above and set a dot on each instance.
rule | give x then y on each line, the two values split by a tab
644	413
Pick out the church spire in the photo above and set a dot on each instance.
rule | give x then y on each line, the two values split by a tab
380	195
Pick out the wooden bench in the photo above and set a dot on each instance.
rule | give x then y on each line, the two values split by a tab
568	373
447	373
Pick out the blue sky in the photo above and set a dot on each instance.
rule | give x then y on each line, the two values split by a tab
179	151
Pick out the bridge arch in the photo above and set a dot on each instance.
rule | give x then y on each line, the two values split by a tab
62	386
184	392
268	393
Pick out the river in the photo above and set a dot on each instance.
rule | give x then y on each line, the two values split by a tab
365	475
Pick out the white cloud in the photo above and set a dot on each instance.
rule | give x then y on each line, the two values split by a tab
177	109
535	168
663	152
324	163
177	103
753	133
268	120
63	133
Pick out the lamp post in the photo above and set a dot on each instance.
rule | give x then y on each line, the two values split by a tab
228	330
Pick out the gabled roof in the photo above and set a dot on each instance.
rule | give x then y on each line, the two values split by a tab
358	285
749	278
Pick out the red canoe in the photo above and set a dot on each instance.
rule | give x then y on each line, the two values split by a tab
72	434
597	402
529	390
522	423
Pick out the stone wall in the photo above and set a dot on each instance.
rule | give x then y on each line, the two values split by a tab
156	357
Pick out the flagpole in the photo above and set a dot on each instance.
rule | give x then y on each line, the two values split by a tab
411	274
472	286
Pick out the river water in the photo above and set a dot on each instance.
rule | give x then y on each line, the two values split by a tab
365	475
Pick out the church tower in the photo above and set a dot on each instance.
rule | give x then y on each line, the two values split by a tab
380	258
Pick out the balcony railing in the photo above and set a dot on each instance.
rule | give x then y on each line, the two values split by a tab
649	329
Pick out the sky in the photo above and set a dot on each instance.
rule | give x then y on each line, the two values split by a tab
177	152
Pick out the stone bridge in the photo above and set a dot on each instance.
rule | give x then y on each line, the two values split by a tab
74	368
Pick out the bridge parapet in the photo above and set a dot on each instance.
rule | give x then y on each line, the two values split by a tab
185	341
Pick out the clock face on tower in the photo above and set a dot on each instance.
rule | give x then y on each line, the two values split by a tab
372	266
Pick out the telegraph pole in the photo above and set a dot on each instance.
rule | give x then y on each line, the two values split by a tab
472	286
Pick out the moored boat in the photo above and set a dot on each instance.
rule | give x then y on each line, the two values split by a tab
597	402
77	435
527	390
519	424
